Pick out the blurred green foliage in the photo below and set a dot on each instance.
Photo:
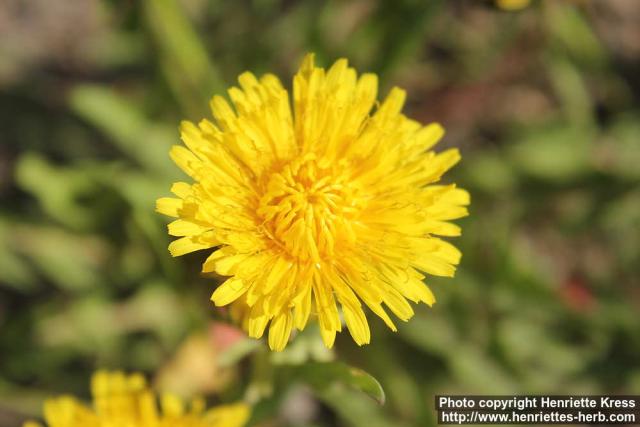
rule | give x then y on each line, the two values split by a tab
544	103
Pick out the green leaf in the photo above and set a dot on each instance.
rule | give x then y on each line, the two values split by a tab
490	172
183	57
321	376
355	409
619	150
71	261
569	86
126	126
573	36
14	270
238	351
473	368
441	338
556	153
529	343
57	189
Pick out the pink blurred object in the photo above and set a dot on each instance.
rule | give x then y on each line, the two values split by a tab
223	335
576	295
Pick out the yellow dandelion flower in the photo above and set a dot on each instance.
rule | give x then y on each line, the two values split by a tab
121	400
512	5
320	206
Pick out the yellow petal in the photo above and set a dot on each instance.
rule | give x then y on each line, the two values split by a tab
181	227
357	324
189	244
185	159
303	309
172	405
280	330
181	189
432	264
427	137
168	206
327	333
229	291
258	320
224	261
235	415
398	304
223	112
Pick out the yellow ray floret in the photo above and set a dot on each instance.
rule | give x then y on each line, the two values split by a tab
121	400
321	207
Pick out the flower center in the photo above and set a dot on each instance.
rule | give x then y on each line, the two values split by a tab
308	207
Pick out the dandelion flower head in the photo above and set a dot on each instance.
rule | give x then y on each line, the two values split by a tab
121	400
323	205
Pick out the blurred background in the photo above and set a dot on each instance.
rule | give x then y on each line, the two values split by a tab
542	97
